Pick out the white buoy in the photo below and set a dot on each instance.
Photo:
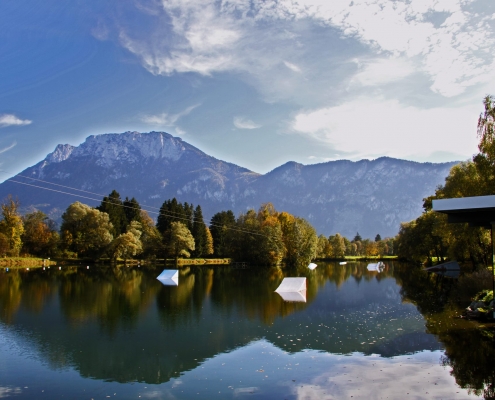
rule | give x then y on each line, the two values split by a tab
59	268
343	262
87	267
312	266
27	269
43	268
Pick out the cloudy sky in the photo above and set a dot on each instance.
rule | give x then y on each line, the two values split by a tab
254	82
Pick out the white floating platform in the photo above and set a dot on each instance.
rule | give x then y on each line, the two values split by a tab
298	297
378	267
343	263
312	266
292	285
169	277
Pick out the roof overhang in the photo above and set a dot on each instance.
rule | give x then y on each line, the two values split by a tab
476	211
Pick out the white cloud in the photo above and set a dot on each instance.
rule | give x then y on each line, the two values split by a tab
382	71
367	128
418	376
5	149
244	123
12	120
179	131
292	67
456	54
209	36
165	119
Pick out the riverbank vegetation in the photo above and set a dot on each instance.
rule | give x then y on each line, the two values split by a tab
430	236
121	230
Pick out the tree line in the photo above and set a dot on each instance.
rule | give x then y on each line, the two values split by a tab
429	236
120	229
338	246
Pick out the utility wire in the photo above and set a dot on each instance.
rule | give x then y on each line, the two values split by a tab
121	205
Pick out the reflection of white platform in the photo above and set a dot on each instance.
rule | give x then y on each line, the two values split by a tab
293	289
294	296
169	277
312	266
292	285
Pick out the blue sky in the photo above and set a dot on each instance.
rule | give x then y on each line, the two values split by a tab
257	83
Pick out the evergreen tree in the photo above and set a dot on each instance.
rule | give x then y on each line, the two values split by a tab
113	206
132	210
219	229
188	213
357	238
199	233
170	211
378	237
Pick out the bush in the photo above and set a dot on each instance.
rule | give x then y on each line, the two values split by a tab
469	285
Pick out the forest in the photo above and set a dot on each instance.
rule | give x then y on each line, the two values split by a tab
120	230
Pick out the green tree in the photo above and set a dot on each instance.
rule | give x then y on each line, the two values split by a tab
113	206
12	226
151	238
199	233
4	245
86	230
220	225
299	238
259	237
357	238
378	237
209	246
180	239
322	244
128	244
39	237
171	211
132	210
338	245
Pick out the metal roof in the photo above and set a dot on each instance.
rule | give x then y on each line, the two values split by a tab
477	211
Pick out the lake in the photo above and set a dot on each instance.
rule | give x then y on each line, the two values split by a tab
223	333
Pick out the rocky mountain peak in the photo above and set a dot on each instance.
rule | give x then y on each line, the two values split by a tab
368	196
61	153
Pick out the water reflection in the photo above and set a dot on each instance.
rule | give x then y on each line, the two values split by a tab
123	325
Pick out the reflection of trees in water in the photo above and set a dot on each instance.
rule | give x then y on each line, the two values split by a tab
471	354
251	293
23	289
469	348
112	296
10	295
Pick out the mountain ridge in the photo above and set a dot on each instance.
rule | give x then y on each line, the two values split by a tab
365	196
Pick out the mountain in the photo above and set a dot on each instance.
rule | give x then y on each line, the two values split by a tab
366	196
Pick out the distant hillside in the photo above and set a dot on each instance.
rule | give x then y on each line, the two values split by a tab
338	196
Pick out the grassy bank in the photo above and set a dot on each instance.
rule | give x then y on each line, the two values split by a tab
25	262
200	261
360	258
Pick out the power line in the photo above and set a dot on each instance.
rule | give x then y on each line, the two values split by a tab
121	205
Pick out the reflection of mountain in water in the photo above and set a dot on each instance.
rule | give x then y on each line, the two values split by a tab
122	324
407	343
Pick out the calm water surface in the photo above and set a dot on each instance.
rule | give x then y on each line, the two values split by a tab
224	333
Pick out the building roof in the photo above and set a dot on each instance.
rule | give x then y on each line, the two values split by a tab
477	211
